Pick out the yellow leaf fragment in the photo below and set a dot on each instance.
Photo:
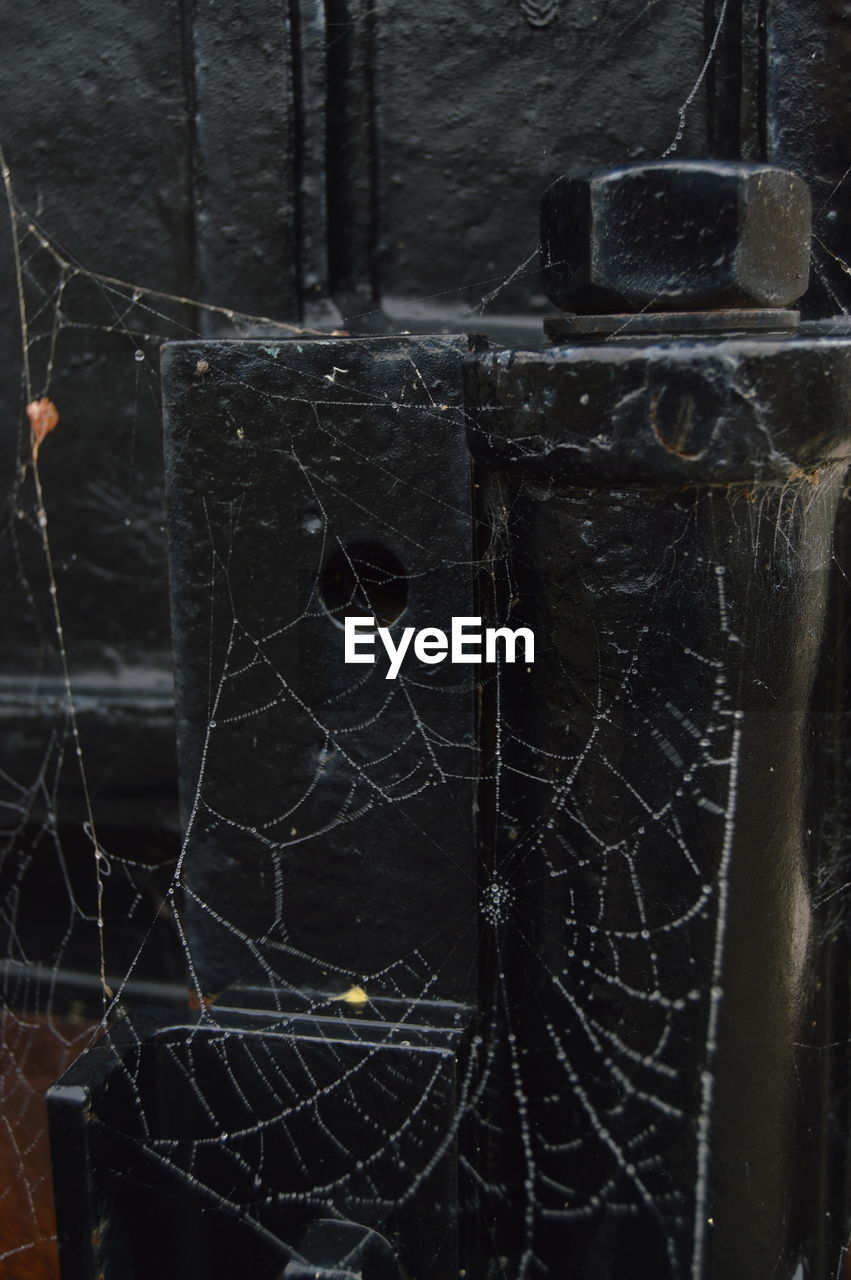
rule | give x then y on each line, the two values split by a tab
355	996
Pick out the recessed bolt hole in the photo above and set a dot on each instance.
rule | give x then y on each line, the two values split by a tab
360	578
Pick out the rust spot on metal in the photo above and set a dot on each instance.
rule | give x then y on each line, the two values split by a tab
679	436
812	477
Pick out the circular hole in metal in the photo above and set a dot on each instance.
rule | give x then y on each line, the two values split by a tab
363	578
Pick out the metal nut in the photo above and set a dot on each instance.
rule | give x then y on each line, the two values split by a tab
676	235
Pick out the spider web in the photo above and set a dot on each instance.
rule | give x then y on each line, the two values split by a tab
564	1103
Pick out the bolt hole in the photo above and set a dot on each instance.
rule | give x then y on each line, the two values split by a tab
361	578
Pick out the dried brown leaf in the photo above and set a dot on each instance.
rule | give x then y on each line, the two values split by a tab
43	416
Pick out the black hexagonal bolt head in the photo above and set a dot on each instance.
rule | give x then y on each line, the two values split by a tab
676	235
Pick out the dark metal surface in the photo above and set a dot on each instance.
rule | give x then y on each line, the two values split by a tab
645	506
342	1251
808	116
96	131
685	412
148	1183
283	461
736	79
301	161
663	500
670	324
676	235
313	159
181	152
478	108
241	64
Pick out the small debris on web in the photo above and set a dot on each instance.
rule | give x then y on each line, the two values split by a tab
43	416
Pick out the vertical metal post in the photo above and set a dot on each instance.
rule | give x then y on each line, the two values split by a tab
664	487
